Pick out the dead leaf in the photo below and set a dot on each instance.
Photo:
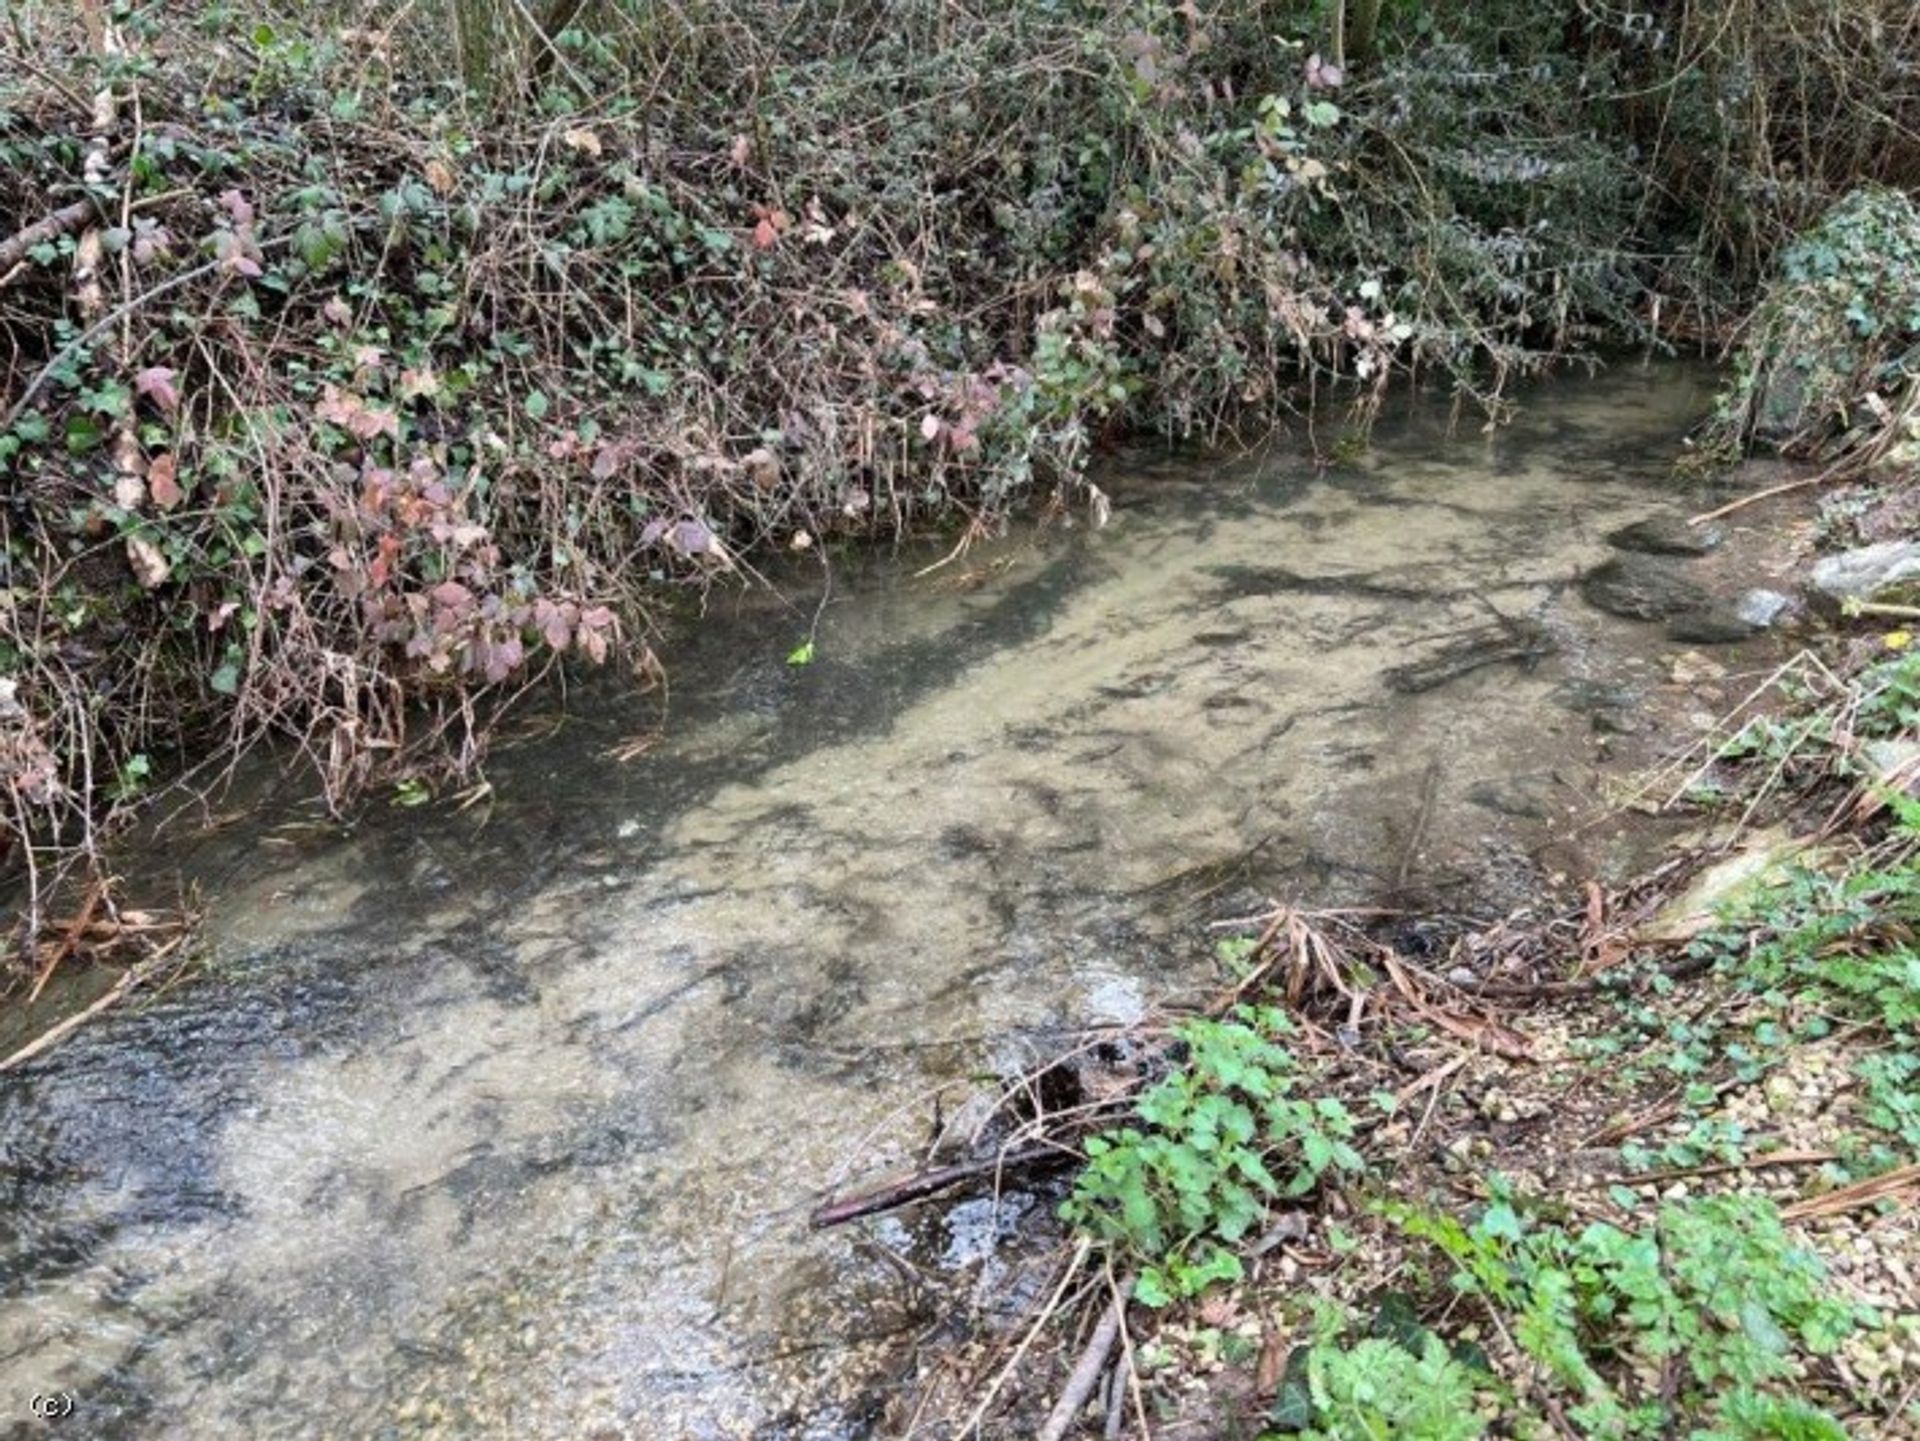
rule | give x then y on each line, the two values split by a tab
352	414
1272	1365
440	176
150	567
1219	1309
741	151
765	237
763	465
419	383
582	139
156	383
162	482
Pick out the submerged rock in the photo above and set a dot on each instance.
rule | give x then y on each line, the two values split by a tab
1521	797
1666	535
1608	708
1710	625
1873	572
1641	587
1761	608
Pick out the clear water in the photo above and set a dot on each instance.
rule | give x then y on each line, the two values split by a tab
505	1122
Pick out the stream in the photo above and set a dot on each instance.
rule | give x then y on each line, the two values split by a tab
506	1121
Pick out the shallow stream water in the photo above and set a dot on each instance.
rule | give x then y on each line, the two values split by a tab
505	1122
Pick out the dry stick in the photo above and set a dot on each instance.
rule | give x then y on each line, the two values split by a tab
1087	1372
63	221
1429	796
81	920
1759	495
940	1178
53	1036
1888	1187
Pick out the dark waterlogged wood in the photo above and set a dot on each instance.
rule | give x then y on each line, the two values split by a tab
931	1182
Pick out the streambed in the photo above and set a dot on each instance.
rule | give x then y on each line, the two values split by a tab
506	1121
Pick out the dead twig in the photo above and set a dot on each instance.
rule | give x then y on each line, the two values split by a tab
63	221
1086	1373
894	1194
134	977
1900	1186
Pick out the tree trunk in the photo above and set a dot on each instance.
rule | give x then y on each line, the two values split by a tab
1363	30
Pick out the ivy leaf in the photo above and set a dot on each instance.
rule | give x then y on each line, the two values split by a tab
537	404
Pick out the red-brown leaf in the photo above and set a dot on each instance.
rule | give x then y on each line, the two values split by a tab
162	483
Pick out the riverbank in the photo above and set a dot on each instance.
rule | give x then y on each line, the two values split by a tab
1644	1163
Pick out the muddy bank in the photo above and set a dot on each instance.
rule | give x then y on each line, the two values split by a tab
506	1121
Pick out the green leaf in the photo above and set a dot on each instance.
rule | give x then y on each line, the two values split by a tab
1501	1222
537	405
801	654
1151	1289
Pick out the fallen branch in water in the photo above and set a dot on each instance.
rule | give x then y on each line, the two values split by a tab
1043	1156
51	1037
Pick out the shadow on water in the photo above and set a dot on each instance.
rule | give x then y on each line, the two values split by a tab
505	1122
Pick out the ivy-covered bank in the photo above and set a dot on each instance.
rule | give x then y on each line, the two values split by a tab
362	366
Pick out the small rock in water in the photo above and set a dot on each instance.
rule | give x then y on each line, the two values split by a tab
1691	668
1666	535
1710	625
1522	797
1641	587
1608	708
1761	608
1870	573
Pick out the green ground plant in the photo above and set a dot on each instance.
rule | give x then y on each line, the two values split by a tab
1218	1141
1396	1380
1705	1316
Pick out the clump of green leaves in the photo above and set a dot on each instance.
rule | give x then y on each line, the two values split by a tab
1710	1311
1399	1381
1218	1139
